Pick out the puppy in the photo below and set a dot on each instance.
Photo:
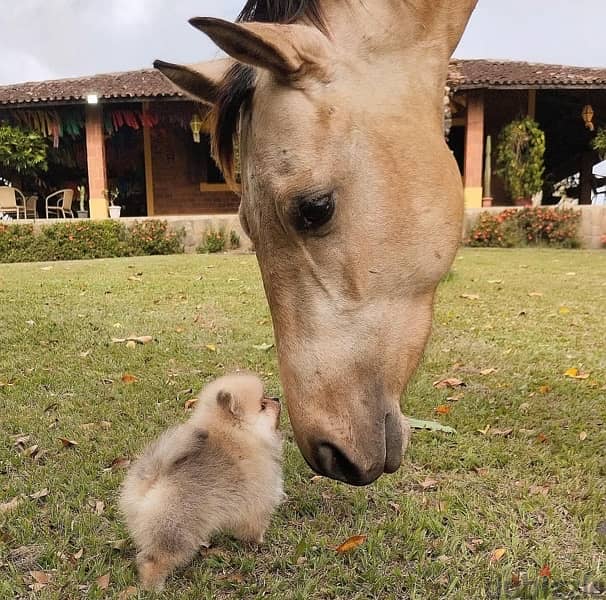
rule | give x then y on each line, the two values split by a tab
219	471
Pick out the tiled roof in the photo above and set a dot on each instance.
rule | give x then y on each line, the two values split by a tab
466	74
149	83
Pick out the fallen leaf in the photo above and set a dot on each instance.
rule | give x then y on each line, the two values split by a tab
10	505
538	490
128	592
575	373
134	278
31	451
481	471
78	555
26	557
41	494
545	571
119	463
564	310
542	438
489	371
189	404
450	382
21	441
497	555
590	589
456	397
474	544
99	507
515	579
571	274
67	443
485	430
211	347
105	424
316	478
470	296
103	581
544	389
495	281
394	506
524	407
442	409
429	425
351	544
502	432
130	344
128	378
535	294
41	577
428	484
583	436
263	347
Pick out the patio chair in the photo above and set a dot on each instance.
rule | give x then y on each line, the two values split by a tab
8	201
61	203
31	207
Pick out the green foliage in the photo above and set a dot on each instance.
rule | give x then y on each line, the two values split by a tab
21	152
520	158
80	240
599	143
214	240
234	239
153	237
529	226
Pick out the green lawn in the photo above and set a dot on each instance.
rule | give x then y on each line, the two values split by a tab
537	493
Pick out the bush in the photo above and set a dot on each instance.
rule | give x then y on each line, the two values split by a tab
85	240
529	226
213	241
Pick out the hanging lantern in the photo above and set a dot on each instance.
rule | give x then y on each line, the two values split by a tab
196	127
587	115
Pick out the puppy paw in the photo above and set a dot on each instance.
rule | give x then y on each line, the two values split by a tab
152	574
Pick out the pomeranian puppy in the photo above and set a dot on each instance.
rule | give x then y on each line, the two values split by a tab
218	472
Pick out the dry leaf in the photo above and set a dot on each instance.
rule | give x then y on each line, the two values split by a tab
450	382
78	555
128	378
485	430
495	281
103	581
85	354
316	478
544	389
497	555
489	371
538	490
32	451
211	347
474	544
128	592
564	310
41	577
515	579
442	409
99	507
470	296
134	278
10	505
535	294
545	571
583	436
351	544
428	484
456	397
542	438
395	507
502	432
130	344
41	494
574	373
67	443
189	404
119	463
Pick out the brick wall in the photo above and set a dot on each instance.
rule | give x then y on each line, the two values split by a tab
179	166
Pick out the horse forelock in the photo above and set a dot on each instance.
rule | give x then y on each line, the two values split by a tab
238	85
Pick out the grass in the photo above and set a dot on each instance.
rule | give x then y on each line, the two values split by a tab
539	492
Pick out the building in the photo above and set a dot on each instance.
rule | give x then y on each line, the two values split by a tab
136	133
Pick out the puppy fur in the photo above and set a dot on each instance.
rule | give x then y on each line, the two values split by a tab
219	471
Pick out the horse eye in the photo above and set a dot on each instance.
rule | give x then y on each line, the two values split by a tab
312	213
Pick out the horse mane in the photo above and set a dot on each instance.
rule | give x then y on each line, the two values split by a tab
238	85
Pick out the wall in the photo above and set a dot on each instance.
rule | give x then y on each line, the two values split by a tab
179	166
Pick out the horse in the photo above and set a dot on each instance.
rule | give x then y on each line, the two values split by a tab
350	195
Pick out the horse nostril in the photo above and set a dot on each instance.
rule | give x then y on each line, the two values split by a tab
332	462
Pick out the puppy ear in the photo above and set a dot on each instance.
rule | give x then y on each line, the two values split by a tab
228	402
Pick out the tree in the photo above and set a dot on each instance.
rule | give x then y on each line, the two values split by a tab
520	158
22	153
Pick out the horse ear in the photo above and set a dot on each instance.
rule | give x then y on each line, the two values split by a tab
228	402
200	81
288	51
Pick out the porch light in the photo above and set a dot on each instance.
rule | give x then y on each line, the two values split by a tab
196	127
92	99
587	115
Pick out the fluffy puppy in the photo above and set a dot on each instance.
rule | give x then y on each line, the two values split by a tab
219	471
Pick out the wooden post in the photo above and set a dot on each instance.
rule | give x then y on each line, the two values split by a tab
95	157
474	149
587	159
149	168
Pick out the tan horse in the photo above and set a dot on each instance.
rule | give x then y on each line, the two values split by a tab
351	197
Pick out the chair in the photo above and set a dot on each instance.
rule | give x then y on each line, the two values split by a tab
62	203
8	201
31	207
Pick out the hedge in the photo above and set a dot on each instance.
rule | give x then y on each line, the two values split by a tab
85	240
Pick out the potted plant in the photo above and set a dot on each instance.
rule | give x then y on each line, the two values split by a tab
112	196
82	212
520	159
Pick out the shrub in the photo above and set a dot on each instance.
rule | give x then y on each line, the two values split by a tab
234	239
529	226
153	237
213	241
85	240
